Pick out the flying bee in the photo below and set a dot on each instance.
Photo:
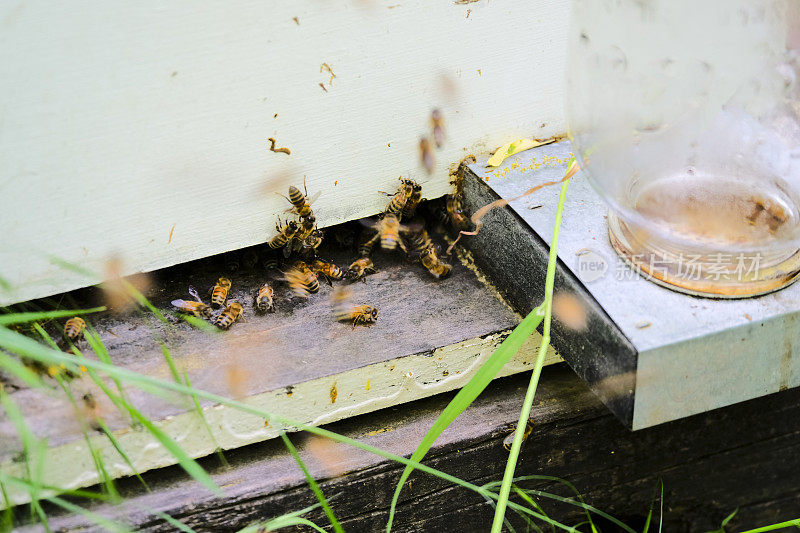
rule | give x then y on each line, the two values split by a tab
329	270
286	232
435	266
301	279
360	268
414	198
91	411
360	314
229	315
198	309
263	301
366	242
73	328
509	440
399	199
426	154
220	292
437	122
389	229
457	217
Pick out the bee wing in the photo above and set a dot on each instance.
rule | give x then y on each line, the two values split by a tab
180	303
313	198
371	223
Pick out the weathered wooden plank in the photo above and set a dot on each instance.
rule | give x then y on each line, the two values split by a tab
139	130
705	475
431	336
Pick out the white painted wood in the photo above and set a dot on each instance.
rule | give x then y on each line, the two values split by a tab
122	123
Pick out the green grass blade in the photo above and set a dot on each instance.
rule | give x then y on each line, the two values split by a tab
7	523
17	343
174	522
101	521
199	410
73	267
22	372
313	484
22	318
117	446
524	415
142	300
773	527
485	374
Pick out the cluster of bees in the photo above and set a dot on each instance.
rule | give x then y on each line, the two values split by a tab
297	241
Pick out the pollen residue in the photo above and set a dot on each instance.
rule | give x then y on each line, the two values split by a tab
369	384
171	231
334	392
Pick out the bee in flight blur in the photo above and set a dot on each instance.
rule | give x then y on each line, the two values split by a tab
426	154
286	232
430	260
360	268
301	279
229	315
220	292
388	231
263	301
73	328
328	270
437	122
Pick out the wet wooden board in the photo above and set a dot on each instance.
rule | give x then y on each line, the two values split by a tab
430	337
575	437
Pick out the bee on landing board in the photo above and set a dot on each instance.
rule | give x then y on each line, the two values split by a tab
360	314
73	328
430	260
360	268
301	279
220	292
286	232
509	440
263	300
328	270
229	315
418	241
198	309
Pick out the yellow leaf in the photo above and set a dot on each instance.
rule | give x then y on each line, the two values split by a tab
520	145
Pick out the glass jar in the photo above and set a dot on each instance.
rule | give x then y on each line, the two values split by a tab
684	116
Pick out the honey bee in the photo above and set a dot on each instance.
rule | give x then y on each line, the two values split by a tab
360	268
360	314
73	328
300	201
302	280
414	198
286	232
399	199
307	226
198	309
329	270
220	292
263	301
310	243
389	232
229	315
91	411
426	154
509	440
366	242
437	122
419	241
457	218
232	261
431	261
